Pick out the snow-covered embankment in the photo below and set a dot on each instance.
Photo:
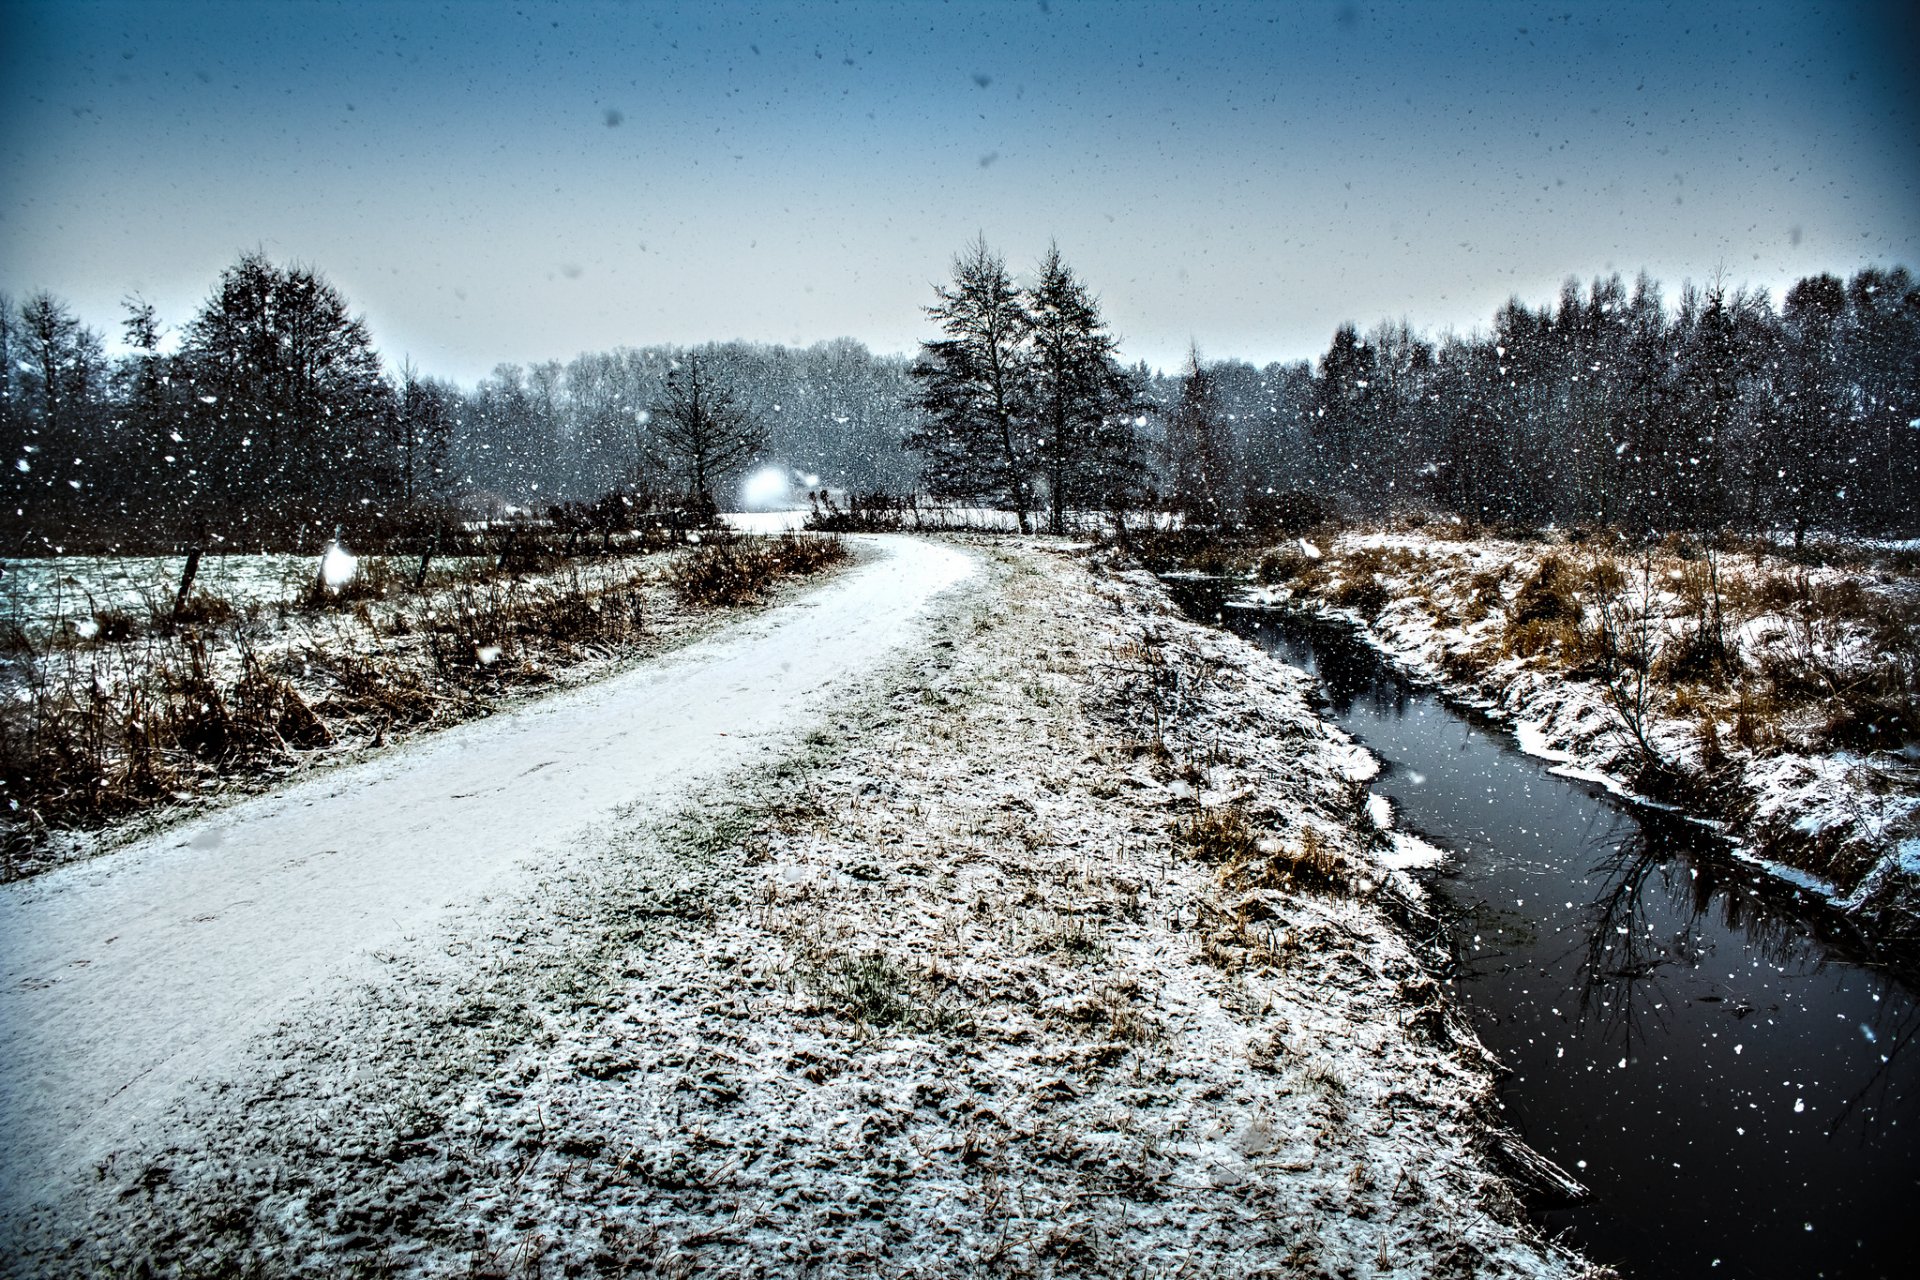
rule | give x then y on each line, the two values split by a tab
945	985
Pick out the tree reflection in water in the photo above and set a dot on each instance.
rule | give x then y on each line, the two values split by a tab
1685	1033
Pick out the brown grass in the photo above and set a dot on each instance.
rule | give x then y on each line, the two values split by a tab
93	732
736	571
1226	838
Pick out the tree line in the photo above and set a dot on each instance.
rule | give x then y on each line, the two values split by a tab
1607	406
272	419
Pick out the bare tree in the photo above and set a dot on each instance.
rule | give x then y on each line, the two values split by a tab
700	430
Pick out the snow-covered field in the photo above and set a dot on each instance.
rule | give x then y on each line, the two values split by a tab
1842	821
37	591
765	523
858	938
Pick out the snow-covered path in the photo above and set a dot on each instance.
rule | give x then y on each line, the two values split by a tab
124	980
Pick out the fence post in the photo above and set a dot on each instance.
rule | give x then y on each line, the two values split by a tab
186	584
426	557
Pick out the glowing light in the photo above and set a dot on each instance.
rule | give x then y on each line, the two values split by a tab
765	489
337	567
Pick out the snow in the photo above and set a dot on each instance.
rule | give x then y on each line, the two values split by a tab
36	590
122	978
1841	810
765	523
598	1013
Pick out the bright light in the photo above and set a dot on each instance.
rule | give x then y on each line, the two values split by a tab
337	567
765	490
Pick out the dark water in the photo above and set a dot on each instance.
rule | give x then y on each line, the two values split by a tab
1742	1100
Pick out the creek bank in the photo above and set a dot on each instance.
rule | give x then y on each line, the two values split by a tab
1036	958
1599	666
1683	1031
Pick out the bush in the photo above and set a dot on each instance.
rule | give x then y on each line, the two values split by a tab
864	513
736	571
1546	596
1282	565
1292	512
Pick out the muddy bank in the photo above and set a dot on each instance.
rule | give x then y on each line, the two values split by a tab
1067	947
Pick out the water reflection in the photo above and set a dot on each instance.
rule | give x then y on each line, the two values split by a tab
1685	1035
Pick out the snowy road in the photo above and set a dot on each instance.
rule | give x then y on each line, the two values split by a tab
126	980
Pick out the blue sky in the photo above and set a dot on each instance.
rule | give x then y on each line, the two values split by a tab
524	181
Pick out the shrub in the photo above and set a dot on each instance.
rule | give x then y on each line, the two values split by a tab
1292	512
1281	565
1546	596
737	571
864	513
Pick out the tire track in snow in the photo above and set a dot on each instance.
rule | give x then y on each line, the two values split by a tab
127	979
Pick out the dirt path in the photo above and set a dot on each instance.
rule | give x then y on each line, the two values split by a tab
126	980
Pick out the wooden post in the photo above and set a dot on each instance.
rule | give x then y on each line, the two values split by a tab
426	557
186	584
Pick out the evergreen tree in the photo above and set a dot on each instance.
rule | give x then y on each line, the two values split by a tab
976	394
57	400
1344	407
1198	450
1083	400
425	417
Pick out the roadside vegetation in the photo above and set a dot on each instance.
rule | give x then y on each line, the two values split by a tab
113	711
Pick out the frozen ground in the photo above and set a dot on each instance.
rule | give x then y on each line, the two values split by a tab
36	591
131	975
909	978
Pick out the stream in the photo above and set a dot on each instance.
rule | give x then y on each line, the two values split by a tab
1740	1095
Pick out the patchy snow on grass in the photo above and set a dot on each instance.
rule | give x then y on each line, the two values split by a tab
940	988
1805	648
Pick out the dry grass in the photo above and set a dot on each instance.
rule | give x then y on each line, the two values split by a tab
140	714
1226	838
735	571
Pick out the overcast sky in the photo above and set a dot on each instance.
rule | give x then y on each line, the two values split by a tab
524	181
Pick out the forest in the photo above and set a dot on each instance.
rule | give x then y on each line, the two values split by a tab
269	419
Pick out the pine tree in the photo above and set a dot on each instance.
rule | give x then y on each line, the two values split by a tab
425	415
976	389
1198	450
58	400
1084	401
